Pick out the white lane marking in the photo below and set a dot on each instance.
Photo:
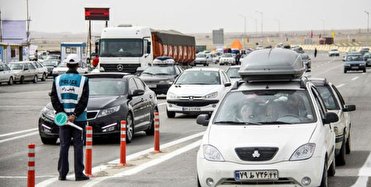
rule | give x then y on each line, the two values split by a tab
128	158
355	78
17	132
25	177
18	137
147	164
20	106
340	85
162	104
364	173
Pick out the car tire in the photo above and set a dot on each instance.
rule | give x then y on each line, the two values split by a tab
151	130
129	128
49	141
347	145
345	71
21	80
170	114
43	78
332	170
198	182
340	158
324	180
35	79
10	82
364	70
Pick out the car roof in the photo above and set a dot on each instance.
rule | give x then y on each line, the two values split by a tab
108	75
203	69
319	81
292	85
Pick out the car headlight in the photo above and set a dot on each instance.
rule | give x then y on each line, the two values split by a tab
171	95
108	111
166	82
212	154
48	113
211	95
303	152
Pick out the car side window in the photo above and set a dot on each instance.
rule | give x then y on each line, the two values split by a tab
1	68
132	85
6	68
226	77
30	66
177	71
339	96
318	100
139	84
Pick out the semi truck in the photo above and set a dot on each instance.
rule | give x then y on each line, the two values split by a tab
125	48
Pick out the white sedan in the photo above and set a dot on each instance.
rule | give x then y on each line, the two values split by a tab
197	90
227	59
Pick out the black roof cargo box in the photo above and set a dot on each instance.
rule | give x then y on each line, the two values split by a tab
272	65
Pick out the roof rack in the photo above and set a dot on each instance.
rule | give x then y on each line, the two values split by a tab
272	65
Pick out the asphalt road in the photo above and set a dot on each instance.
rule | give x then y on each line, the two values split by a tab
20	106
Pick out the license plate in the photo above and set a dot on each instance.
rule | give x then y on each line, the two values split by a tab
152	85
354	67
256	175
191	109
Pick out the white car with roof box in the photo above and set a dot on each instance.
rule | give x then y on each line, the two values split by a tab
271	130
197	90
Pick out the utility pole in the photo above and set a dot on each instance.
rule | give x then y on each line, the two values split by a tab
244	31
261	15
1	28
28	27
368	20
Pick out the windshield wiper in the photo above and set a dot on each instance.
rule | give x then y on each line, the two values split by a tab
162	74
149	73
239	122
273	122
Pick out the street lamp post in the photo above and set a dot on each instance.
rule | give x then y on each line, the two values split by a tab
244	31
368	20
261	15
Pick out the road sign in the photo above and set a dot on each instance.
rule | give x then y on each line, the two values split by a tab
97	14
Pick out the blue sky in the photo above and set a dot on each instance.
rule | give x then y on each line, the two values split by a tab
194	16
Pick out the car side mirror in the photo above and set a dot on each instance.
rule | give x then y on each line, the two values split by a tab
203	119
139	70
330	117
227	84
137	93
349	108
25	68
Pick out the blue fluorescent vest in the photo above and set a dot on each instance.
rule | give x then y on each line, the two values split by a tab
69	88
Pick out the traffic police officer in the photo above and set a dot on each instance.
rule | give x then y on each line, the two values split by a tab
70	93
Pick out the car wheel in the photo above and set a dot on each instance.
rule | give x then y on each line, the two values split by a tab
151	130
35	79
49	141
364	70
345	71
347	145
324	180
21	80
198	182
170	114
129	128
10	82
43	78
340	158
332	170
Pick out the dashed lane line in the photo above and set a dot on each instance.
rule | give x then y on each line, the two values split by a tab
18	137
340	85
355	78
17	132
364	173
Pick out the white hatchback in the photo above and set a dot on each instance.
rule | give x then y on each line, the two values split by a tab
268	133
197	90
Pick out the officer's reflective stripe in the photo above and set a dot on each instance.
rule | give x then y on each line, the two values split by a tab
69	96
58	88
123	139
69	101
82	83
89	147
69	105
69	110
31	168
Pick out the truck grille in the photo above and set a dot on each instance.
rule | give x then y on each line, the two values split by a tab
127	68
256	153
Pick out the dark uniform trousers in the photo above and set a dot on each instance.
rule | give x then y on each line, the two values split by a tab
65	134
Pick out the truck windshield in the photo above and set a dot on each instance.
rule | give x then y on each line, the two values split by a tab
121	47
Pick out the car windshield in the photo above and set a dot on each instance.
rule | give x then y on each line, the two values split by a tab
159	70
201	56
328	98
354	58
14	66
260	107
121	48
199	78
107	87
227	55
63	64
233	73
50	62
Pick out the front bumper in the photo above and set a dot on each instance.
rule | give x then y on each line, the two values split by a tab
354	67
105	126
222	173
191	107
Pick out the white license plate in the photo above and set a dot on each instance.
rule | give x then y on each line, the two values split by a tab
152	85
354	67
256	175
191	109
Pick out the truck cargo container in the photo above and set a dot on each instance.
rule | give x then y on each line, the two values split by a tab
125	48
